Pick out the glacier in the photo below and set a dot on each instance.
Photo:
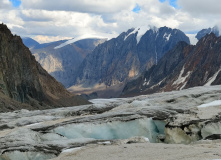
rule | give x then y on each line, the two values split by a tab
186	116
113	130
140	32
105	36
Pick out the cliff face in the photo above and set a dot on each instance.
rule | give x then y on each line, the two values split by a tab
127	56
63	62
183	67
24	80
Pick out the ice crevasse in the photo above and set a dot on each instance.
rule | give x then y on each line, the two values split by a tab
114	130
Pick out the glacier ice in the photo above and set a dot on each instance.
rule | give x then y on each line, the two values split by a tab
211	129
41	134
113	130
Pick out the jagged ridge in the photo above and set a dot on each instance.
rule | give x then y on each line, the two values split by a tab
183	67
127	56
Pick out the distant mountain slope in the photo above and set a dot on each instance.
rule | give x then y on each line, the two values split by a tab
23	82
182	67
29	42
127	56
62	62
203	32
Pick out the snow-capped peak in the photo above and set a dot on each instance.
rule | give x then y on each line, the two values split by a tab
140	32
86	36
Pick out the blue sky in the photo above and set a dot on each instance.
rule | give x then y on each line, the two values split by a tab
16	3
136	9
172	2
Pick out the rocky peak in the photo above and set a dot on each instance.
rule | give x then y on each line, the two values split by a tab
29	42
203	32
208	39
4	29
182	67
127	56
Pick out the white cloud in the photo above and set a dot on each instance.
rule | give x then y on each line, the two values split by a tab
64	23
46	39
54	19
88	6
5	4
201	7
11	18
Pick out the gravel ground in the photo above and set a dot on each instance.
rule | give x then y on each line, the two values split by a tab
206	150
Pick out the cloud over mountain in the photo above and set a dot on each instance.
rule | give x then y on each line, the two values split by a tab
68	18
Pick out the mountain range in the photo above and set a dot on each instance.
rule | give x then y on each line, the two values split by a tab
203	32
184	66
104	67
62	62
121	59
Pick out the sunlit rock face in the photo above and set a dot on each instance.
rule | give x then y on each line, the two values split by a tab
172	117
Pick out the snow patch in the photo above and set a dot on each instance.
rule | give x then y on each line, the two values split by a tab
71	150
140	32
183	86
212	79
167	36
145	82
34	124
133	32
181	79
157	84
86	36
211	104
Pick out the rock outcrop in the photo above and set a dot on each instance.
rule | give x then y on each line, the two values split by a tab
184	66
23	80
